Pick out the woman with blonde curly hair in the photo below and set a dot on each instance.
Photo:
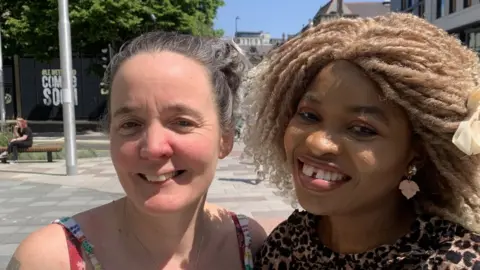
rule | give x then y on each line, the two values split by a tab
372	125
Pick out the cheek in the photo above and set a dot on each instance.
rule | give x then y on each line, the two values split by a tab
289	141
378	162
293	137
123	152
197	146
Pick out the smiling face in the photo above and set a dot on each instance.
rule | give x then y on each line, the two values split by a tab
348	148
165	137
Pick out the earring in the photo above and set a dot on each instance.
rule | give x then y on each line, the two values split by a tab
408	187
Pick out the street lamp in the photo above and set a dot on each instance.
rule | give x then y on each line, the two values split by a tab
2	89
68	107
236	24
153	18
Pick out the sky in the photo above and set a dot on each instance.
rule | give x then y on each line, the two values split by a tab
272	16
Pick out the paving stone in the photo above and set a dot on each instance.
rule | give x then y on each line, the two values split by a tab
7	250
4	261
21	200
15	238
47	203
8	229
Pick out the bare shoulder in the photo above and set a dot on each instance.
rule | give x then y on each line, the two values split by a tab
258	234
45	248
256	230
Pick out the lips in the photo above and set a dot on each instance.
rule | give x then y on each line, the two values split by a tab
311	171
161	178
320	176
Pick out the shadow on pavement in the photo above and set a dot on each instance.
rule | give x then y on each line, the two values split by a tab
247	181
27	172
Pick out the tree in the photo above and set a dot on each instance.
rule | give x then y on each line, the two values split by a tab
30	27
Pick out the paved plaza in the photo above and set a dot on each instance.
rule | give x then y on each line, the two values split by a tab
32	194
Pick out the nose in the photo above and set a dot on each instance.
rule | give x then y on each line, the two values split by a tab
321	143
155	143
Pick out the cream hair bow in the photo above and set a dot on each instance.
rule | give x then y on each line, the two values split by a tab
467	136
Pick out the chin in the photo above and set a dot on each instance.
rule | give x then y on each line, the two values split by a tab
165	204
165	197
312	207
311	203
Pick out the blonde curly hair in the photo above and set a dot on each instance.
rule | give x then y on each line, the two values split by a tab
417	66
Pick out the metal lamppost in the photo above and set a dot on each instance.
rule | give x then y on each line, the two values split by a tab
2	89
153	17
236	25
68	106
154	20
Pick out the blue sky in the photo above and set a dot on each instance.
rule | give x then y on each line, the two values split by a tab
273	16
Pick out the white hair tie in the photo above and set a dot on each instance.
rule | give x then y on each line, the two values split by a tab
467	135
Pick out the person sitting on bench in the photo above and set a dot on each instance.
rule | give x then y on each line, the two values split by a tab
23	139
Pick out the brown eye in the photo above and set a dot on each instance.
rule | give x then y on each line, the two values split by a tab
363	131
184	123
129	125
307	116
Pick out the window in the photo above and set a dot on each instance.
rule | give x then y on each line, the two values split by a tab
406	4
467	3
453	6
473	41
477	41
421	10
440	8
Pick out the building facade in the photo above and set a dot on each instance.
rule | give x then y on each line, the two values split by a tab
458	17
338	8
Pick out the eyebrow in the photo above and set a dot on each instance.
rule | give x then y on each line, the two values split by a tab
373	111
311	98
125	110
174	108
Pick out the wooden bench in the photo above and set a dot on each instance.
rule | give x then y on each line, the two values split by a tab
49	149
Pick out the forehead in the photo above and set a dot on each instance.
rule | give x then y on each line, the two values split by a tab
161	77
345	81
341	85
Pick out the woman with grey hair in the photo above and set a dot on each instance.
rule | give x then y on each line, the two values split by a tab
172	110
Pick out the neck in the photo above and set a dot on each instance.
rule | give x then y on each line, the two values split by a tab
166	237
369	228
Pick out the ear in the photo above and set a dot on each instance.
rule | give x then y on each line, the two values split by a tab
226	144
419	155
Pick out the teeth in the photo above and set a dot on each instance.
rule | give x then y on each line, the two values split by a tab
321	174
161	178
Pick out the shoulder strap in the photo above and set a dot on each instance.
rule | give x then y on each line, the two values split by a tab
77	236
74	251
244	239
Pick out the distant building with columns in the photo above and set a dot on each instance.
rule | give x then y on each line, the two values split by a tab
257	44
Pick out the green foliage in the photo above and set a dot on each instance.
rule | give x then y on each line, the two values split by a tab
6	136
30	27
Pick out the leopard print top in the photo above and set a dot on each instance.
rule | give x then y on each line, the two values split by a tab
433	243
